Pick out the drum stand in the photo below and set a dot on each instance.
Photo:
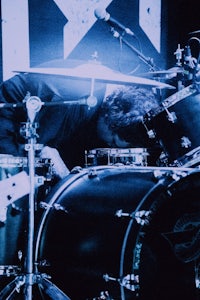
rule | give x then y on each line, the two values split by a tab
30	277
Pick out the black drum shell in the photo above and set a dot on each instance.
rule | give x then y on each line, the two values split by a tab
180	137
82	239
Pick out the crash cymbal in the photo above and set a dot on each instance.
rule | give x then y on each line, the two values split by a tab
98	72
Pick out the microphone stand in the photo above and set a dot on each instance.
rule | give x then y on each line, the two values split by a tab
146	60
33	106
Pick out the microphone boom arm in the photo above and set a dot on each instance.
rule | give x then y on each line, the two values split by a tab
146	60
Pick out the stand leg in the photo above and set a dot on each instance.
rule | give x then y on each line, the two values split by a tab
29	259
51	290
13	289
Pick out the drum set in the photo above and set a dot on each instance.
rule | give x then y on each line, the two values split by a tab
118	228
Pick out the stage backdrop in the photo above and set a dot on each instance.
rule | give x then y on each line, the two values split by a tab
33	32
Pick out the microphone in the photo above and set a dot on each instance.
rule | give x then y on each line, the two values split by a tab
189	63
102	14
188	59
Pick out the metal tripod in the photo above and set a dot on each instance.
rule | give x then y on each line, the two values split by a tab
22	286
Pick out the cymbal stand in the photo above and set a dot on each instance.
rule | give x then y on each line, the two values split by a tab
33	106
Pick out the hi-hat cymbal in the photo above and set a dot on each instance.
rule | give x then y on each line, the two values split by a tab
98	72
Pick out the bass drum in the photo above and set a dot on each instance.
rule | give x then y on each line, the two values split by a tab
122	233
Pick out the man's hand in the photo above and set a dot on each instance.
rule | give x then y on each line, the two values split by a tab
59	167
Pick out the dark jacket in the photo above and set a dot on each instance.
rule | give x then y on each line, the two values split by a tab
71	128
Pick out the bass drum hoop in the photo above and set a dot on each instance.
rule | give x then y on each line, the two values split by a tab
169	187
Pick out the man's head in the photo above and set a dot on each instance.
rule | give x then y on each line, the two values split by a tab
121	114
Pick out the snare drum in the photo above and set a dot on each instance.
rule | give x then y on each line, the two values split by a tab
175	124
112	156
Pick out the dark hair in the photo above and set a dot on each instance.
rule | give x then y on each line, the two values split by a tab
123	111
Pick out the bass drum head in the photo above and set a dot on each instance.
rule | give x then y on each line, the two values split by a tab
95	254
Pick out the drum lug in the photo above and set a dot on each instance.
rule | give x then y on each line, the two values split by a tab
150	132
39	180
141	216
104	295
119	213
107	278
130	281
56	206
163	160
45	205
178	175
43	263
197	275
185	142
92	173
171	116
76	170
159	174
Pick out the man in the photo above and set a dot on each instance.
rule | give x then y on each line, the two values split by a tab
66	127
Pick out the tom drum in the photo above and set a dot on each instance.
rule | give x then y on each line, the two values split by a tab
175	124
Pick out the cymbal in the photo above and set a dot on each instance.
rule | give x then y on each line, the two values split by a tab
168	74
98	72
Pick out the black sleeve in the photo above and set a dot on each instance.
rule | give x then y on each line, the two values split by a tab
55	123
12	91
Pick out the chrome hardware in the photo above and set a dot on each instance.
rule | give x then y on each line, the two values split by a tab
107	278
56	206
185	142
130	282
151	134
141	216
119	213
171	116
